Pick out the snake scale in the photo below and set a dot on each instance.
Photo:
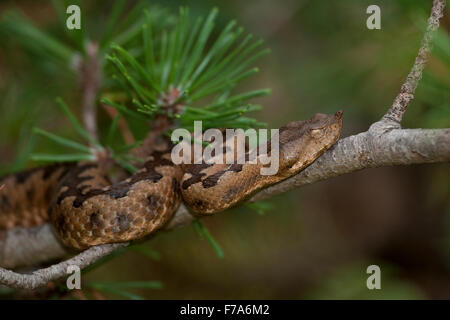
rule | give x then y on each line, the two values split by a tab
86	209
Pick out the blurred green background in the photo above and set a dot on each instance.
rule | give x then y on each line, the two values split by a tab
316	242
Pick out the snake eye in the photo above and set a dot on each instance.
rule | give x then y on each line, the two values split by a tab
315	132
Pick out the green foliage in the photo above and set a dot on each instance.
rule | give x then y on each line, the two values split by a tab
178	66
87	153
63	49
435	90
120	155
36	41
58	54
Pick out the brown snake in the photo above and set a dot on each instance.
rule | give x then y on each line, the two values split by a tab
86	209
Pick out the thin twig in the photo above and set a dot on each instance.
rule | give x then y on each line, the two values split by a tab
90	77
56	271
401	102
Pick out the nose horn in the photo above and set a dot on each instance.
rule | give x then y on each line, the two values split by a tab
339	114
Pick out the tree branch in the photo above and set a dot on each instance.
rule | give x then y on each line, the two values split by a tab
384	144
29	246
370	149
56	271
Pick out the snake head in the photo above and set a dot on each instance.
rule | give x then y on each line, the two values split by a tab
301	142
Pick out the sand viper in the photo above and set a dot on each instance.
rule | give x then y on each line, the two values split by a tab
86	209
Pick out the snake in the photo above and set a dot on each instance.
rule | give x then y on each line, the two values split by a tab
86	209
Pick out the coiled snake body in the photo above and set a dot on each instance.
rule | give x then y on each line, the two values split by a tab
85	209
